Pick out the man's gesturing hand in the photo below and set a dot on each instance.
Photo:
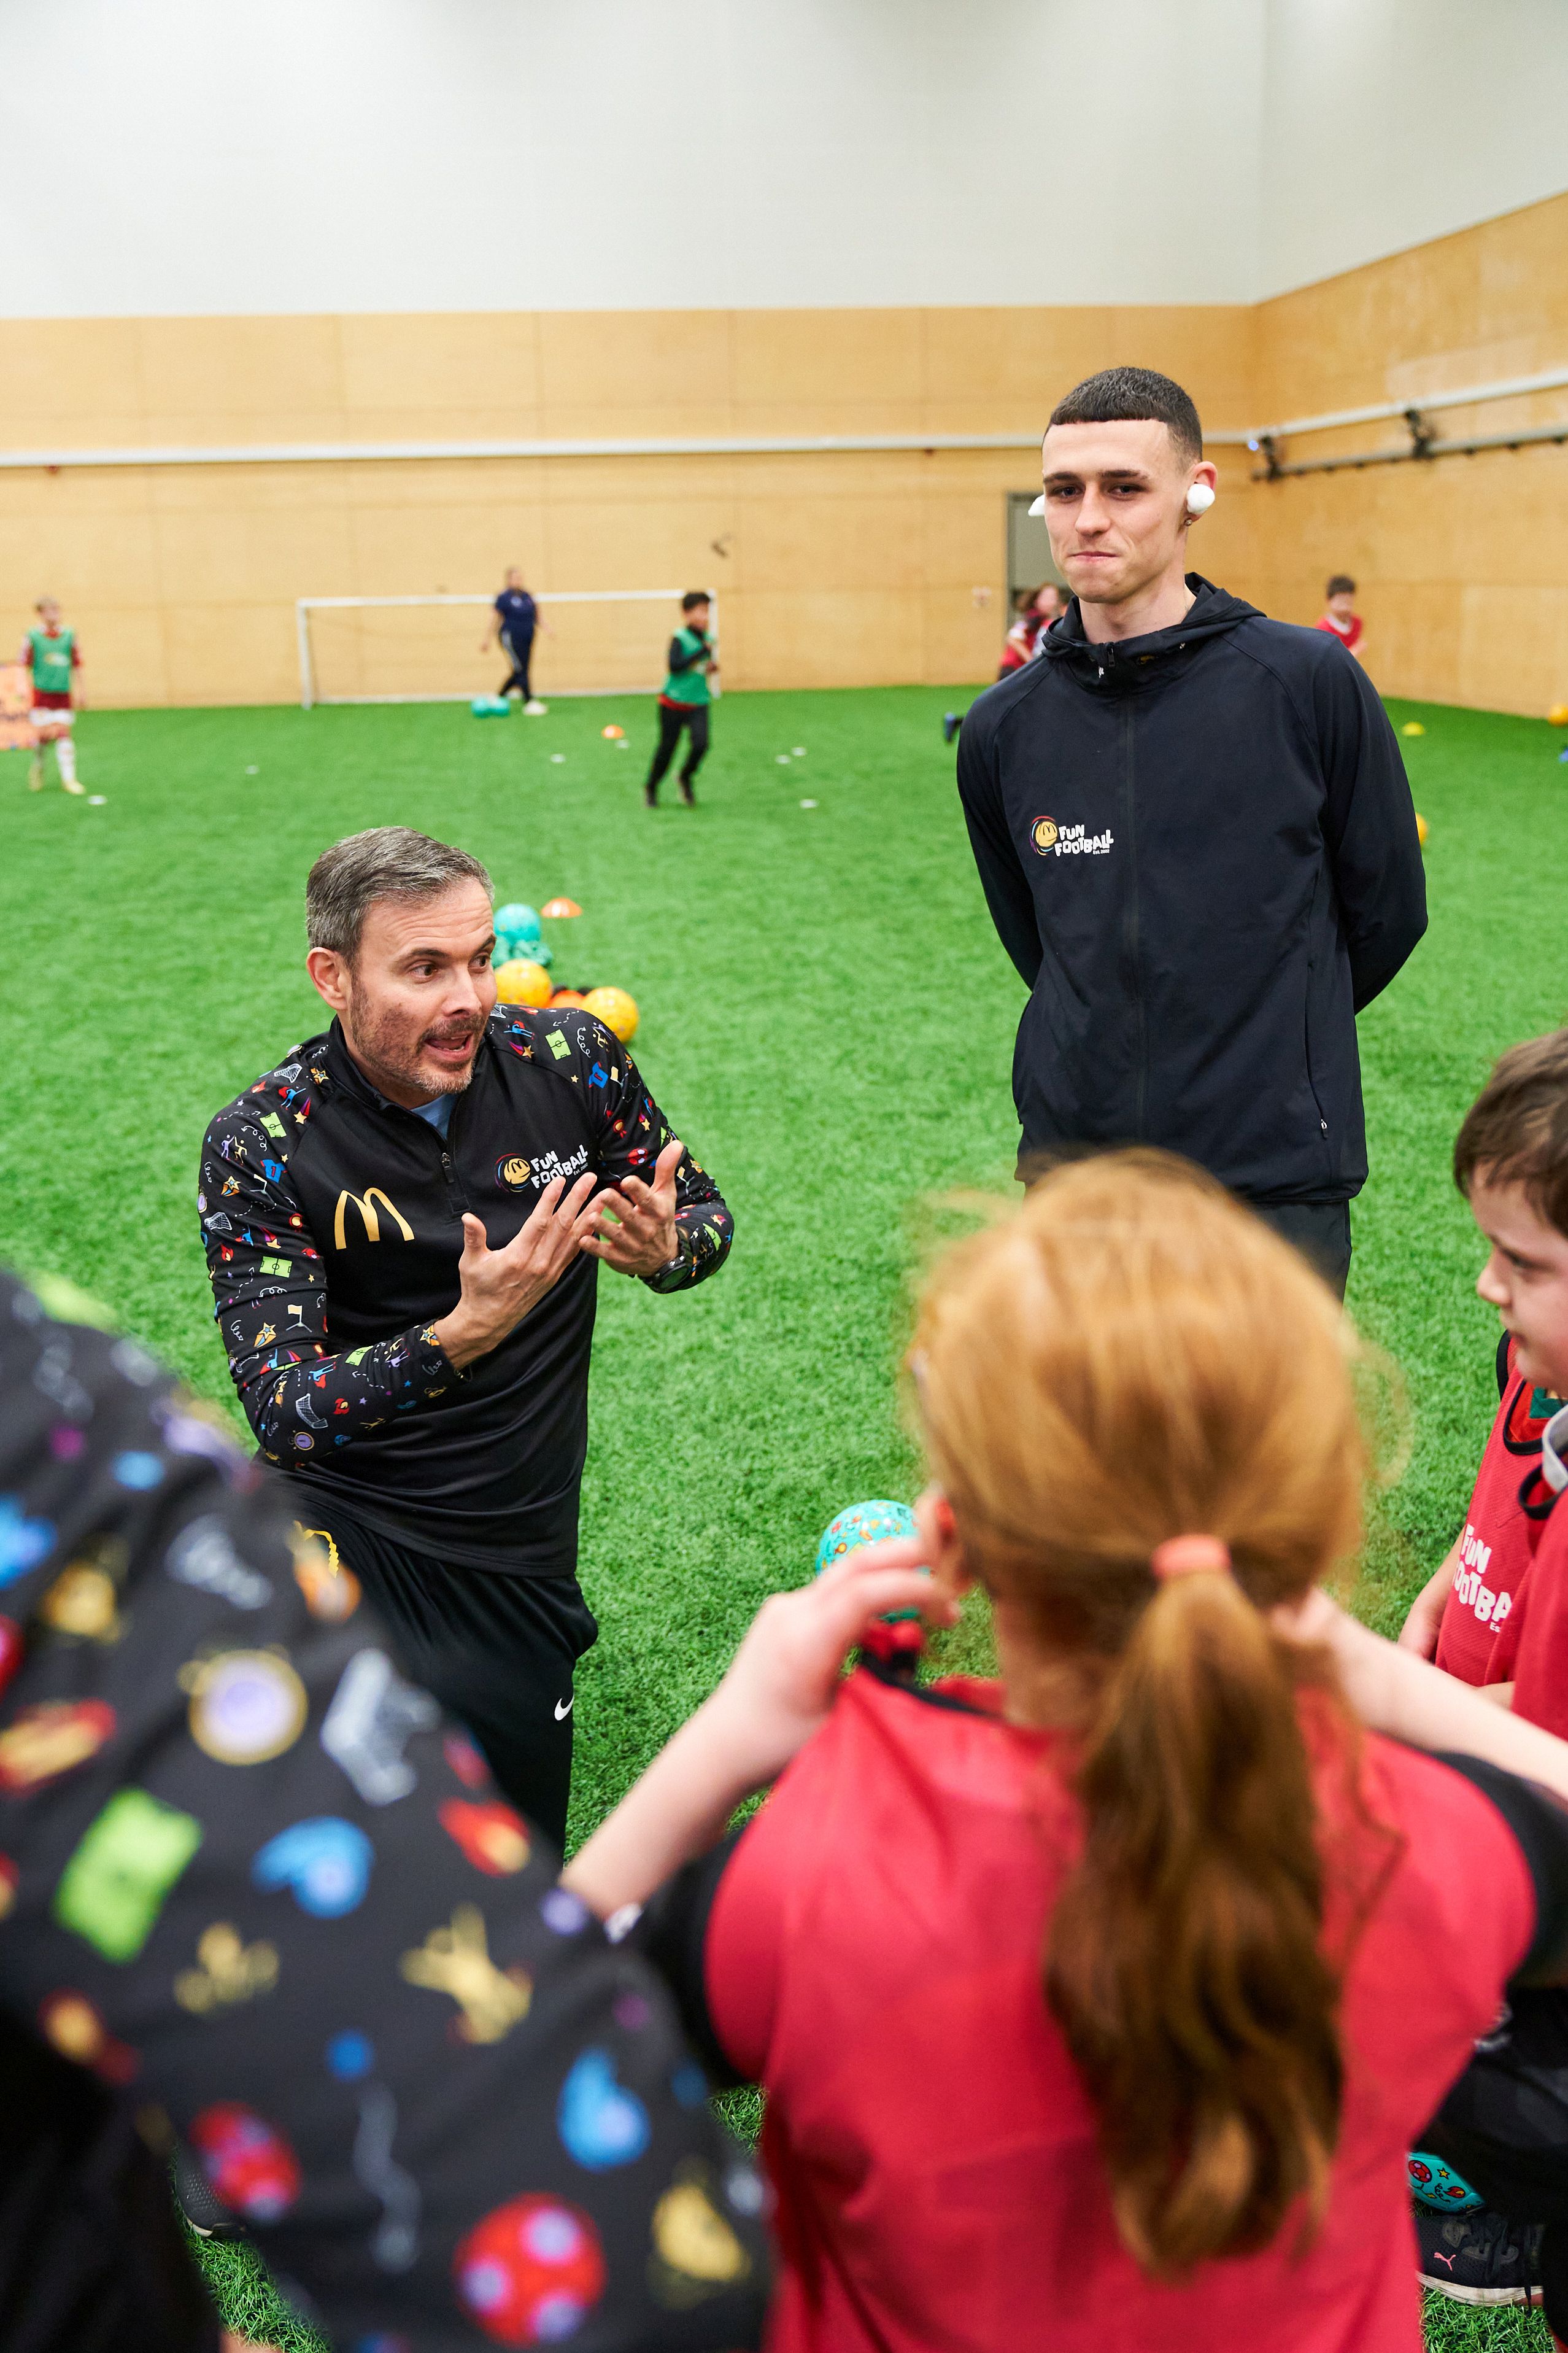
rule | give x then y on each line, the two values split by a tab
500	1286
632	1226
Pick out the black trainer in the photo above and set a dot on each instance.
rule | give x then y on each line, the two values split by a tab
650	795
199	2202
1479	2257
687	794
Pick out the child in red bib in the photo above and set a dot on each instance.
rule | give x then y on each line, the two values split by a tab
1036	615
1338	615
1082	1998
1511	1162
1504	2126
1462	1616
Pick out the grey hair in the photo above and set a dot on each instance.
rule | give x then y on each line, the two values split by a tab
389	861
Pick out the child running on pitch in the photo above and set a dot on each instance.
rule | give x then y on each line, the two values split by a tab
1098	2005
1499	1607
686	699
53	658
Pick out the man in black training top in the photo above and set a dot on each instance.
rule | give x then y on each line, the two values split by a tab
400	1224
1196	837
686	699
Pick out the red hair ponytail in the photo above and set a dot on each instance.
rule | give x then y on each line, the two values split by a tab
1132	1360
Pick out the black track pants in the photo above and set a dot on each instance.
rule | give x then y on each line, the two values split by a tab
1320	1231
671	720
519	651
496	1650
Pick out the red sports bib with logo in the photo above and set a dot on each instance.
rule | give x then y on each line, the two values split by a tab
1499	1534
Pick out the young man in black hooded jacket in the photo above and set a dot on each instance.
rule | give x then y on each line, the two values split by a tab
1196	837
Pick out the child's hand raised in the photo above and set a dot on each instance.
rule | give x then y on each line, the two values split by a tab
778	1691
781	1683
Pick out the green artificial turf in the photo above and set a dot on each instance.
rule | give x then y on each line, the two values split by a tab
827	1020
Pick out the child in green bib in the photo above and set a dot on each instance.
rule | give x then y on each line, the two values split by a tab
685	701
53	658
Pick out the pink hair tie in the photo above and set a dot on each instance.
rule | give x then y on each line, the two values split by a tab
1190	1557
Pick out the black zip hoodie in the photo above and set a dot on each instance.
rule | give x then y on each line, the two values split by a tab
1199	850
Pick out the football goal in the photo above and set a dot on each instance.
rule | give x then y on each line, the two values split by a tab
427	648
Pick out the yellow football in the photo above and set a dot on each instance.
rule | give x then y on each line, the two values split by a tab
615	1009
522	982
1558	715
1422	829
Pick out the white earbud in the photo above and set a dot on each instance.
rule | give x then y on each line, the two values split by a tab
1039	506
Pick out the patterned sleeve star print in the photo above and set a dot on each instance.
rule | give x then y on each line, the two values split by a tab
251	1879
269	1290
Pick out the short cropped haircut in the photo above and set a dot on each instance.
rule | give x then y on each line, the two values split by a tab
389	861
1130	393
1516	1130
1341	584
693	598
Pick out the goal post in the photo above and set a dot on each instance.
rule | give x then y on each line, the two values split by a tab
427	648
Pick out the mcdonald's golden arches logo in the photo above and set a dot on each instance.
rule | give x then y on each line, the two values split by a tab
366	1207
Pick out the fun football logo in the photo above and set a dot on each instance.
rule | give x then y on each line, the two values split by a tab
1053	840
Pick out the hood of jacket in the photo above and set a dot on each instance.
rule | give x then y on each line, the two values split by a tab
1131	664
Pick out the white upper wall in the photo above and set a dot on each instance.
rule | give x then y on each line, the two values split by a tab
186	157
189	155
1390	122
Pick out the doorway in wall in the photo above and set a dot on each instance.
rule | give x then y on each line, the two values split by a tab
1028	550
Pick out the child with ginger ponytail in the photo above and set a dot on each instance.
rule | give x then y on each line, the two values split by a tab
1098	2005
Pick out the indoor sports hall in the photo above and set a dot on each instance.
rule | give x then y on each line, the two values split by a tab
617	446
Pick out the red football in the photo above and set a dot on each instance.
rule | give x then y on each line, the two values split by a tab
530	2272
247	2160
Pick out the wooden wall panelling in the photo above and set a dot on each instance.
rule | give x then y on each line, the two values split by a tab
839	569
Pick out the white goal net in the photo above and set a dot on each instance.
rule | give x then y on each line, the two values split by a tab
427	648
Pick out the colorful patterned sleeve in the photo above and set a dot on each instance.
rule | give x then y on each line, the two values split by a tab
271	1303
251	1879
633	1130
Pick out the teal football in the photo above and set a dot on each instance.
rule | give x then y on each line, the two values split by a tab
862	1524
1436	2185
517	922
